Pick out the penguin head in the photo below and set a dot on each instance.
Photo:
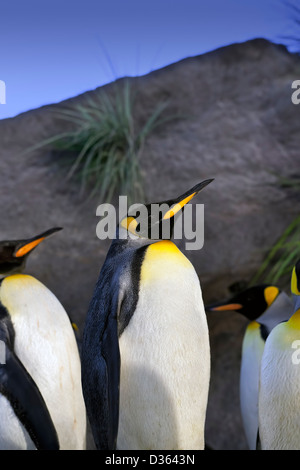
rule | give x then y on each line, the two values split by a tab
13	253
155	221
251	302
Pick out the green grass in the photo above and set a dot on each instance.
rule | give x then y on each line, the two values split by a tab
283	255
281	258
107	143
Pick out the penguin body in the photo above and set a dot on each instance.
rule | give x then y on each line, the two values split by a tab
165	357
152	362
265	306
252	350
279	409
41	401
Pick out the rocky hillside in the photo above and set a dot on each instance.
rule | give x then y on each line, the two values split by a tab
240	127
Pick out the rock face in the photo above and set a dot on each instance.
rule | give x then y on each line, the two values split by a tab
239	127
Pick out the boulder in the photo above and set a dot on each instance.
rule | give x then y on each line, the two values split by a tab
237	124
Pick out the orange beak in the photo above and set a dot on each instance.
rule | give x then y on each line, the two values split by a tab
28	247
226	307
182	200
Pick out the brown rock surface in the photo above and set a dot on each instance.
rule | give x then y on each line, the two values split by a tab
240	127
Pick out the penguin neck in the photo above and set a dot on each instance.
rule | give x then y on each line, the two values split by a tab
124	239
279	311
11	273
296	301
294	321
18	268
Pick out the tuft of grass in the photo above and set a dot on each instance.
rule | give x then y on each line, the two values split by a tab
107	143
283	255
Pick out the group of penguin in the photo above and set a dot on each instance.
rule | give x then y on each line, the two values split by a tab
143	373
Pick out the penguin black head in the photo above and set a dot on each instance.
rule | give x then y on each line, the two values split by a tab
251	303
13	253
295	280
155	221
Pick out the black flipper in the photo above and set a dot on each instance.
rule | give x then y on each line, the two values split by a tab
101	380
100	356
27	402
111	355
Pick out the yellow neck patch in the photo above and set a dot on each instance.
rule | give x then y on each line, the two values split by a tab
270	294
294	321
253	326
12	286
163	259
164	247
294	287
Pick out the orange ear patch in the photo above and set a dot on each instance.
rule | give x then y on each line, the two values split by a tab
271	293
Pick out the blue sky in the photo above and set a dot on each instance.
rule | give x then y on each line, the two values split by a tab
53	50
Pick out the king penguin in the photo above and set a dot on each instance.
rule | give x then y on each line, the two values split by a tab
265	306
145	350
41	401
279	405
